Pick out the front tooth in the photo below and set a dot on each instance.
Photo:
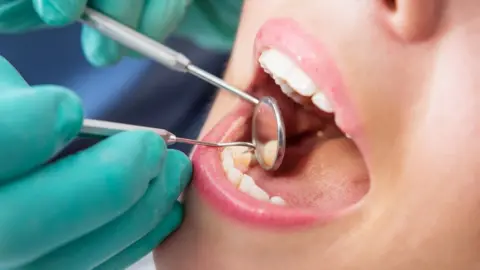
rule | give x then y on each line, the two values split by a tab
276	63
321	101
277	200
247	185
285	71
298	80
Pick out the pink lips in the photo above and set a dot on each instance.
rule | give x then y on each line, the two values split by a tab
210	180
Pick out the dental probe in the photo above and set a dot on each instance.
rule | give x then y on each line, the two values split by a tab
105	129
265	107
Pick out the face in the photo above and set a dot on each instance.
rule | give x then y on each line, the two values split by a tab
381	103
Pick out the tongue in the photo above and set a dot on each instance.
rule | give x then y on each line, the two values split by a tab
326	173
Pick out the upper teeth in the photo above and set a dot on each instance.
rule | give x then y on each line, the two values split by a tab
292	80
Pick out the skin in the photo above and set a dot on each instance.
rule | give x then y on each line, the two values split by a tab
418	101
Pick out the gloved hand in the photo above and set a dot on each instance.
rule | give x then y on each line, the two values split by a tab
103	208
154	18
211	24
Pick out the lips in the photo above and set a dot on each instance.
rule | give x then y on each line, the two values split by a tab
210	179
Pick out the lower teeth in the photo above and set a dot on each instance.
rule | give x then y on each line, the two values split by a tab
236	161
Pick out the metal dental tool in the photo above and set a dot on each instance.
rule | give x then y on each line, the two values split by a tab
265	107
105	129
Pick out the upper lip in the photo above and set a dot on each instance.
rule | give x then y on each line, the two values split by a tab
209	179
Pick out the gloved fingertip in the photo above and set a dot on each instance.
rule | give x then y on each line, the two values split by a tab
146	244
155	146
9	76
178	173
56	13
98	49
69	112
171	221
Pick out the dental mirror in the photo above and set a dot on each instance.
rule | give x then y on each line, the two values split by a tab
268	134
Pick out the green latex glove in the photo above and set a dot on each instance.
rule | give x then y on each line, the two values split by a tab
212	24
154	18
105	207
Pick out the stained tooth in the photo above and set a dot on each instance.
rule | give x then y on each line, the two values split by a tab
269	152
235	176
320	100
242	158
277	200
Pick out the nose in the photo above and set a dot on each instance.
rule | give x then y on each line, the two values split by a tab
411	20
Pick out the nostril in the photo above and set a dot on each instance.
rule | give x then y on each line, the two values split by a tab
391	4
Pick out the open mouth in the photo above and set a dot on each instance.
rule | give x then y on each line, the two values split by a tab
323	172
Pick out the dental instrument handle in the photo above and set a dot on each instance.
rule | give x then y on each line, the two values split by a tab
135	41
155	50
105	129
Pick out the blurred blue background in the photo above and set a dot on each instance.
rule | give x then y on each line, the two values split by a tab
135	91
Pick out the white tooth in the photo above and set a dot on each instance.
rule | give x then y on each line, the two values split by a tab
259	193
320	100
247	185
298	80
235	176
297	98
283	70
226	152
348	136
228	162
277	200
286	89
277	63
